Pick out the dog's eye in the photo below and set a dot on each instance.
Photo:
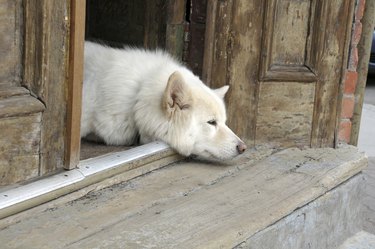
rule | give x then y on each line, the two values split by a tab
212	122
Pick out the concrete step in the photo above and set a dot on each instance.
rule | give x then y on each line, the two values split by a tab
361	240
290	199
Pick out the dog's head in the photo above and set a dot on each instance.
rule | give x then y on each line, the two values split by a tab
196	116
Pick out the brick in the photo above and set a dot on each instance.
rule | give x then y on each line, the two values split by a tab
345	131
360	8
353	59
350	82
347	106
356	34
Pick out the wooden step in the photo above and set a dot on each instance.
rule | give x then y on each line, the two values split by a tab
194	204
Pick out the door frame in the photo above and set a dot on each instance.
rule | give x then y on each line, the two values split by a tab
158	152
75	82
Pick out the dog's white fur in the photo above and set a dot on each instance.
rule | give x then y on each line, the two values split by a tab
131	92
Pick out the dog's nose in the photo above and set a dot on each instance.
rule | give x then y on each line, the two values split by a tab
241	147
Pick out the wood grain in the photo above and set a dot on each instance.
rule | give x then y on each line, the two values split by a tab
364	50
291	24
333	16
9	91
45	73
286	41
76	50
281	120
217	38
191	204
20	106
11	26
232	57
19	148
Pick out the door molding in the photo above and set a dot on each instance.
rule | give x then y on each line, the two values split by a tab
75	82
302	55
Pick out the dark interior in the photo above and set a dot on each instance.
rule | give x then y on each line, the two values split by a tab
139	23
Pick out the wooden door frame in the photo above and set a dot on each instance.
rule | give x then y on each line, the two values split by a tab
157	151
76	51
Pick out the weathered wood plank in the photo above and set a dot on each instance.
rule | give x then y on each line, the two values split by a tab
33	49
20	106
19	148
20	134
331	50
209	44
289	35
285	54
285	113
203	219
364	48
232	53
11	26
46	70
217	37
176	11
18	168
9	91
76	50
244	46
190	205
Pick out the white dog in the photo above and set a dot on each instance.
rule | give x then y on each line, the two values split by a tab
131	94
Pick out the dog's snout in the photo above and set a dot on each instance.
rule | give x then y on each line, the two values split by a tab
241	147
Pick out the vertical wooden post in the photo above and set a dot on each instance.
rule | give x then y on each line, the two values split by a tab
76	50
364	51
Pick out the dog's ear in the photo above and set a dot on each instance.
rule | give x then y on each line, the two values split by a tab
177	95
221	91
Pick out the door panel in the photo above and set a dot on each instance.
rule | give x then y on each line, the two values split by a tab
10	42
290	21
285	45
285	113
284	61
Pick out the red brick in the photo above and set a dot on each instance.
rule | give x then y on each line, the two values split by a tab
353	59
360	8
347	106
350	82
345	131
357	32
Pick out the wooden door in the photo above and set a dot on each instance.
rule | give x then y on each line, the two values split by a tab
284	61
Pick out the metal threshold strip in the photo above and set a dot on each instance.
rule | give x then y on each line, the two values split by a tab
90	171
